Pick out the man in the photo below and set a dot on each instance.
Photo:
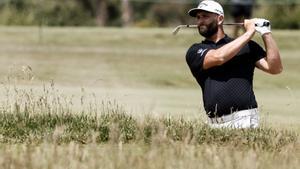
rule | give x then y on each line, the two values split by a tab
240	10
224	67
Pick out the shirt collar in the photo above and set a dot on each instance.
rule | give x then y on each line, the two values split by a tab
226	39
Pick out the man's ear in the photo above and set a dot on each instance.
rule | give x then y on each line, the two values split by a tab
220	19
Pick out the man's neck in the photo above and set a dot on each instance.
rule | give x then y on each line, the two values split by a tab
216	37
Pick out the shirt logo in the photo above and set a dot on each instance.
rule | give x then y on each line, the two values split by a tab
201	51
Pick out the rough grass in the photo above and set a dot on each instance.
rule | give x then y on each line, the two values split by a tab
118	127
32	118
109	156
45	131
114	139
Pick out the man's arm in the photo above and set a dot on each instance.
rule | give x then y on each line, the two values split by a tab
223	54
272	63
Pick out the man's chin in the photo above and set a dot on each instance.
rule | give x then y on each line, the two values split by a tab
205	34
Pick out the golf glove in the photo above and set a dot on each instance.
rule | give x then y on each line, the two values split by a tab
262	26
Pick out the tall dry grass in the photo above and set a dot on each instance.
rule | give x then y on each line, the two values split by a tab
45	131
154	156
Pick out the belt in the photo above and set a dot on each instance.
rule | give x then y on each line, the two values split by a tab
232	116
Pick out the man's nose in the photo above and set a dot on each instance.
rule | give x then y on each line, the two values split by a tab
199	21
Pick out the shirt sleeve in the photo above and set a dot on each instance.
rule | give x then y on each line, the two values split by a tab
256	51
195	57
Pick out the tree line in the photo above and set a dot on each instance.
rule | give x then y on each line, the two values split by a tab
142	13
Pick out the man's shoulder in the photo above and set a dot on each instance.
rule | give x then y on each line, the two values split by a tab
197	50
197	46
252	42
253	49
252	45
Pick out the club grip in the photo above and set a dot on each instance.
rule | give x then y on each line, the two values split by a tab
264	24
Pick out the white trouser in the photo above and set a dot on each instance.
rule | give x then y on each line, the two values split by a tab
240	119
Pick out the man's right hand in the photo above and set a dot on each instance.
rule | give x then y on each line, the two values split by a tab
249	25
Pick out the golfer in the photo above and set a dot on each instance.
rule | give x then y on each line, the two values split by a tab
224	67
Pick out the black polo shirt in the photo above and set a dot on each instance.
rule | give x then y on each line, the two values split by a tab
229	87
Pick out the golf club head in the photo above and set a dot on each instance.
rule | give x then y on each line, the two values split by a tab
176	30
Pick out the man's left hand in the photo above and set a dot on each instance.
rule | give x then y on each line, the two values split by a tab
262	26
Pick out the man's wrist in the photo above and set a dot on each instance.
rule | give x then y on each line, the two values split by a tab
266	34
250	33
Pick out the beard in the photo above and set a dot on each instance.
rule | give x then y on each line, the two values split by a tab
208	30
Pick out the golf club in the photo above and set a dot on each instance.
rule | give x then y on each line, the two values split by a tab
176	30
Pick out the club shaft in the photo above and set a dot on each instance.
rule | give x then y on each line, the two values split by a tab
238	24
195	26
176	30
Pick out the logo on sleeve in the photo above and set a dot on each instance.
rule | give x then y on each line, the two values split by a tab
201	51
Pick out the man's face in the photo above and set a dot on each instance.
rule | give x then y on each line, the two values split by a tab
207	23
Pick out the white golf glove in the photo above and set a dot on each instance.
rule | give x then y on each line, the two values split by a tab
262	26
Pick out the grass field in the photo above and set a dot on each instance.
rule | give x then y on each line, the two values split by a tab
52	72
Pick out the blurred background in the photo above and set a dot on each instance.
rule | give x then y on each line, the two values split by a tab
284	14
123	50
